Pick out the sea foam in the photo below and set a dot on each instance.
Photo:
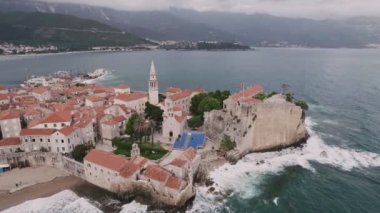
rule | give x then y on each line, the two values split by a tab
244	177
63	202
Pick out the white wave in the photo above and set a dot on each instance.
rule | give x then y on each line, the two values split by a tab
275	201
134	207
244	177
65	201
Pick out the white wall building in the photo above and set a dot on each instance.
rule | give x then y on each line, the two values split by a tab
174	122
35	139
135	101
9	145
10	123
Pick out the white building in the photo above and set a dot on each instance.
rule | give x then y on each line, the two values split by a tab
35	139
102	168
65	139
10	123
9	145
153	86
135	101
54	120
112	128
174	122
94	101
122	89
41	93
86	131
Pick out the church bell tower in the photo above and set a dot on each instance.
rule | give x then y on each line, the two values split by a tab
153	85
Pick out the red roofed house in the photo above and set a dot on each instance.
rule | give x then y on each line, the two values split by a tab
9	145
102	168
246	97
4	99
41	93
10	123
65	139
135	101
122	89
54	120
110	129
94	101
172	90
35	139
86	131
174	122
181	99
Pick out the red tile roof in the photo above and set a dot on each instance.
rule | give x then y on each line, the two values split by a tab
37	132
173	89
4	97
174	182
178	162
95	98
181	95
57	117
10	142
106	159
9	114
40	90
133	166
190	153
122	86
157	173
248	92
131	97
68	130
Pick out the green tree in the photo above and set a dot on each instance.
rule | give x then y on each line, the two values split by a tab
153	112
195	101
195	122
208	104
302	104
79	152
140	127
227	143
129	127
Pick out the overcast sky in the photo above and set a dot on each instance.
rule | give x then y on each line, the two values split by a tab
317	9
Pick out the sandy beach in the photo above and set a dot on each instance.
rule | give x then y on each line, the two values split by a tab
36	182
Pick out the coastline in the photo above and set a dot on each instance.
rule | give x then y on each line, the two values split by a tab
38	190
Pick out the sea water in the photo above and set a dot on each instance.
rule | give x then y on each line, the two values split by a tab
337	170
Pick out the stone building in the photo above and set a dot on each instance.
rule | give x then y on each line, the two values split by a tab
153	85
10	123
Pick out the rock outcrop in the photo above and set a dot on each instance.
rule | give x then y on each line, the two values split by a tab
272	124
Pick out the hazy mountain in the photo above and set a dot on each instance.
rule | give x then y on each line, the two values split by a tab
257	29
65	32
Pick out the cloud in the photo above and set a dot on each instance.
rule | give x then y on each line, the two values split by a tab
318	9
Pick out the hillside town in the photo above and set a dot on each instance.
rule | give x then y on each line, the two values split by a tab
57	119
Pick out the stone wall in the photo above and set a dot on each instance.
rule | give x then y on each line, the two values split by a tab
37	158
259	127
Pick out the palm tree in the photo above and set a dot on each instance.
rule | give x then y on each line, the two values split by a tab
140	127
152	126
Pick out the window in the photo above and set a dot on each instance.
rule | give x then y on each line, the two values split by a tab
41	140
45	125
48	140
68	140
26	140
56	140
33	140
62	141
55	125
57	149
63	148
62	124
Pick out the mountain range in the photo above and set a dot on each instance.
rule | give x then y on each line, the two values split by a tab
255	29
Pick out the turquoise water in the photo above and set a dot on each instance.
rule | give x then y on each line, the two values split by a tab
342	87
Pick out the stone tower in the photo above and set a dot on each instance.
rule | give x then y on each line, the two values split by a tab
153	85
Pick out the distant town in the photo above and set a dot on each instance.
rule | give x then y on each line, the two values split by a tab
136	142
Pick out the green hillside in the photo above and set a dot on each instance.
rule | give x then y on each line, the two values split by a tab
66	32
